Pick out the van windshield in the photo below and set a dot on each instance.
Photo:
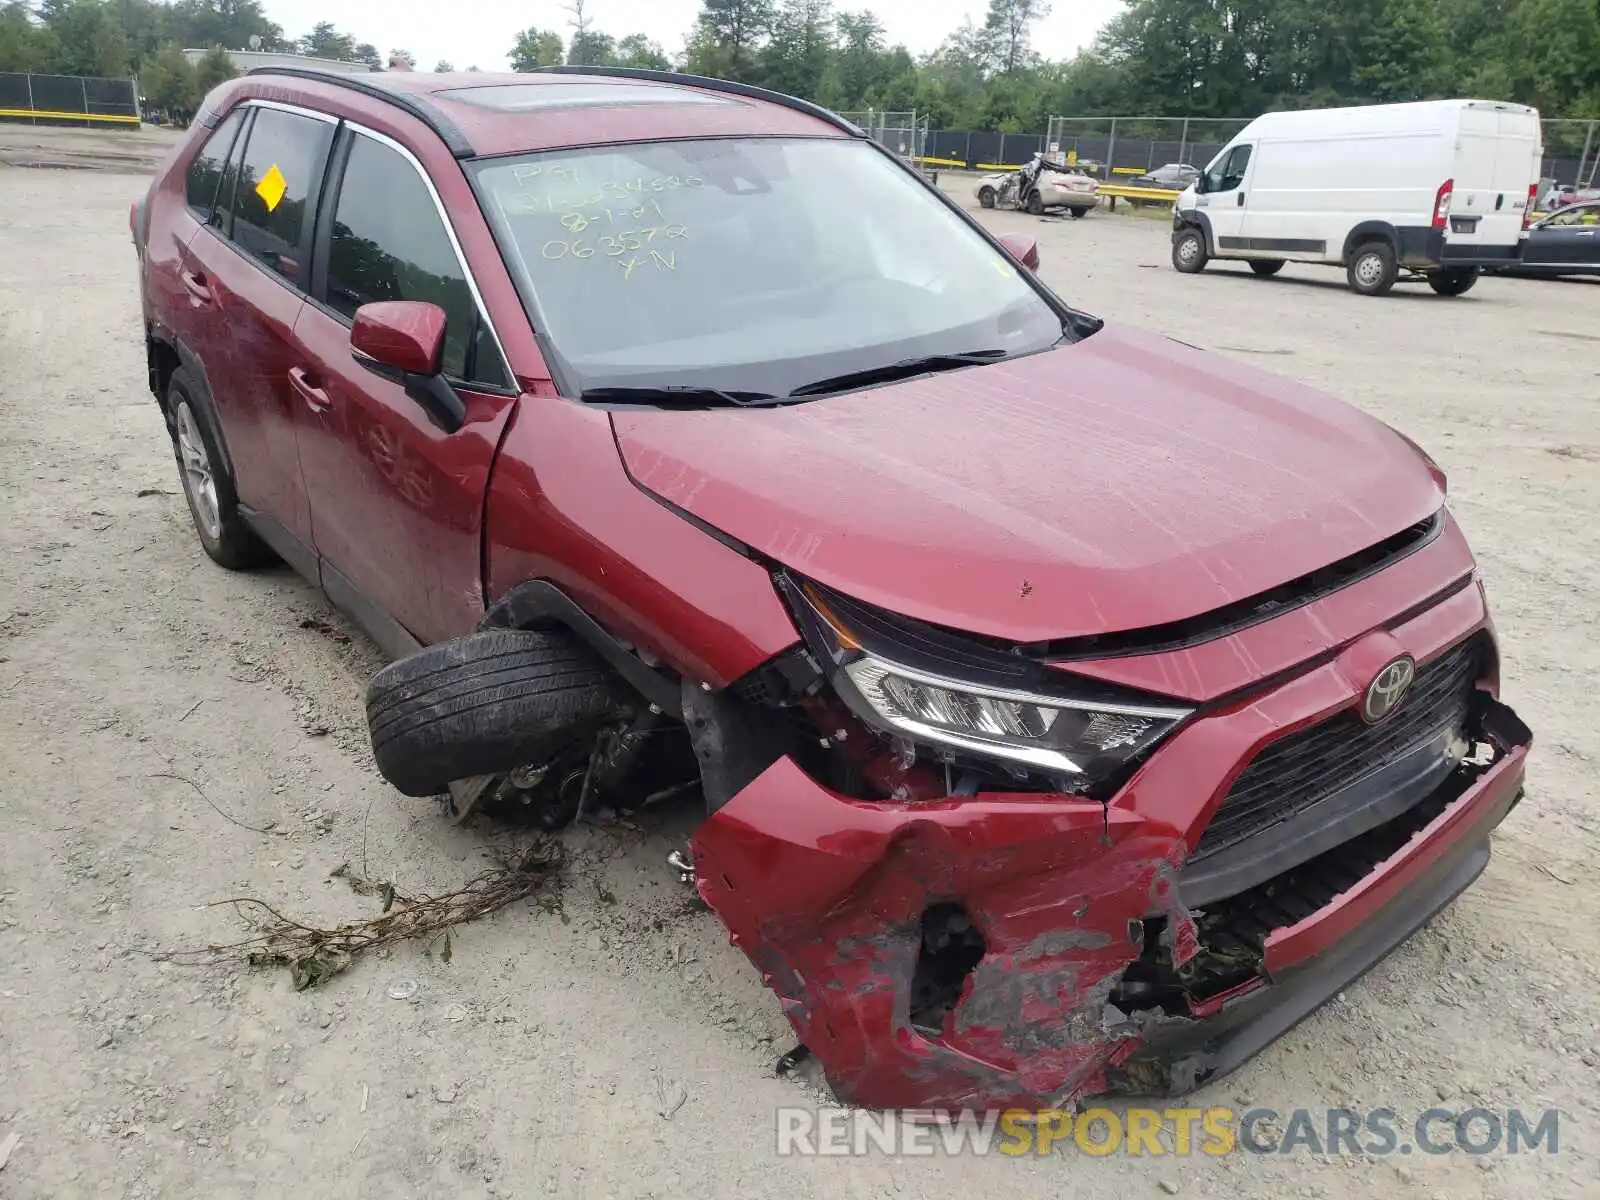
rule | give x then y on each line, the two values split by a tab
755	266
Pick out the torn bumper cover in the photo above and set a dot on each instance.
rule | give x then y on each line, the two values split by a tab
1072	962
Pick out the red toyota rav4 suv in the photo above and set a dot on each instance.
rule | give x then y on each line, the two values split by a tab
1073	711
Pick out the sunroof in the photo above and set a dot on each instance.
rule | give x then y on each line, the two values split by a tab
530	97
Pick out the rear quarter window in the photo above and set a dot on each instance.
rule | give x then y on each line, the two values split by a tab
205	172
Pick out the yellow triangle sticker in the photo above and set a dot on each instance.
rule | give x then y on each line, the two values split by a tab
272	187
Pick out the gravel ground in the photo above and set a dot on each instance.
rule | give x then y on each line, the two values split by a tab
542	1057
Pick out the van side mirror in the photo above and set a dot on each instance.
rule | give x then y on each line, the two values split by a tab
1200	183
1023	248
403	341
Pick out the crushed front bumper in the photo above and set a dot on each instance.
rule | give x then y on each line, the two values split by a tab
829	896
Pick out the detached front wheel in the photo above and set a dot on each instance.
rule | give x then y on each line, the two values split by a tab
1189	253
986	197
486	704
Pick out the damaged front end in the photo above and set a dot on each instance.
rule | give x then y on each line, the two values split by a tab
973	891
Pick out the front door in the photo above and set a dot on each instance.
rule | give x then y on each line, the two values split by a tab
1223	201
396	503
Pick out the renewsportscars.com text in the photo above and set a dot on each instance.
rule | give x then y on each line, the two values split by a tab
1179	1132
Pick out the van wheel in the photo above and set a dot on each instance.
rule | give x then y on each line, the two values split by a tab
1035	205
1373	269
486	704
1454	282
986	197
207	485
1189	251
1266	267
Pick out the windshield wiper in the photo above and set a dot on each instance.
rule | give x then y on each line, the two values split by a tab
678	397
906	368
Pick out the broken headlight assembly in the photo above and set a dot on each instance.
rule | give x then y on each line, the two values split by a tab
960	698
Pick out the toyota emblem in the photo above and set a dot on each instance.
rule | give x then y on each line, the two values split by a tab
1387	689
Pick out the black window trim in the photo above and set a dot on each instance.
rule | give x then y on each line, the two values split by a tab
233	142
338	159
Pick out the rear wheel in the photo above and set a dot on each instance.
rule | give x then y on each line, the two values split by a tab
1266	267
1189	251
486	704
1373	270
1035	204
1454	281
986	197
207	485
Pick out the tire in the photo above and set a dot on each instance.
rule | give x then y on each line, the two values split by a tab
1266	267
207	485
986	197
486	704
1455	281
1372	270
1035	204
1189	253
1078	214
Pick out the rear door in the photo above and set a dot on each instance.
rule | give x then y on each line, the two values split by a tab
397	504
249	266
1496	162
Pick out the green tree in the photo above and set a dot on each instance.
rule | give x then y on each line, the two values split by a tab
444	66
325	41
727	36
213	70
637	50
796	57
366	52
167	81
89	40
26	44
1404	55
1007	35
857	65
536	47
591	48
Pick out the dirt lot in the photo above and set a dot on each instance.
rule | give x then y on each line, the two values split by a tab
542	1057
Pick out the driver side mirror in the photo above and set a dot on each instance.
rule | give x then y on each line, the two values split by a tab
403	341
1200	183
1023	248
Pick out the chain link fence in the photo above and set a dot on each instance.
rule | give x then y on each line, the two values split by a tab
68	100
905	133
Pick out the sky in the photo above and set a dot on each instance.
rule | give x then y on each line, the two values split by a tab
480	32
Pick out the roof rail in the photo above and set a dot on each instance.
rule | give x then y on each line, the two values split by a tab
749	91
414	103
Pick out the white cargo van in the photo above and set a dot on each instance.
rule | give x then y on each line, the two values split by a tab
1435	190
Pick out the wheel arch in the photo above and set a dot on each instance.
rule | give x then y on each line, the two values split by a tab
1370	231
1194	219
540	604
165	355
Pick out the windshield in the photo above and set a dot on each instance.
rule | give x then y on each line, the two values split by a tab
749	265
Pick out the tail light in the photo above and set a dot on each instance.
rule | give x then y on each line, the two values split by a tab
1533	197
1441	203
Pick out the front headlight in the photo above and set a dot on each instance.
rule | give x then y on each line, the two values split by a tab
1081	739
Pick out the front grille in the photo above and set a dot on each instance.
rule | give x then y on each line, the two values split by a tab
1298	771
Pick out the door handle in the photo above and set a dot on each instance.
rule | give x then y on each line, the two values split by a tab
196	284
1585	233
1241	199
316	398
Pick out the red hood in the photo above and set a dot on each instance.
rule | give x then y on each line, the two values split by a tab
1121	482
